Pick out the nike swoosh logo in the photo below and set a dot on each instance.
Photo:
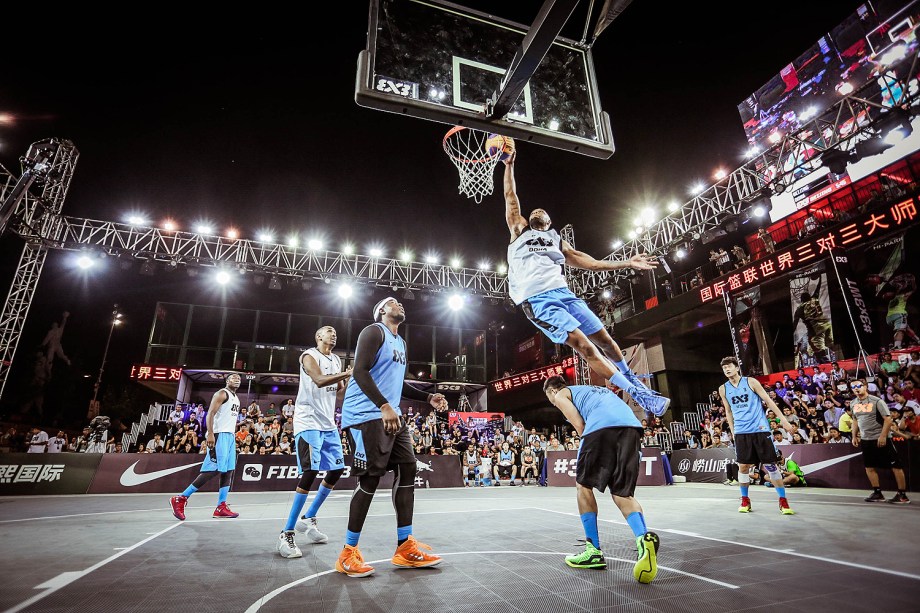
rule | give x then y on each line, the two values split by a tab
129	478
811	468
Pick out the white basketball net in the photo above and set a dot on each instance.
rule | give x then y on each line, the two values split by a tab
466	148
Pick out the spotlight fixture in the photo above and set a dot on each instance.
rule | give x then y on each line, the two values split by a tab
149	268
836	160
408	295
275	283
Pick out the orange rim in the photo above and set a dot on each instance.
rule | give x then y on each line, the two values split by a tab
463	160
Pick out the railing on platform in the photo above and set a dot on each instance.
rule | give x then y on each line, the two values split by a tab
156	413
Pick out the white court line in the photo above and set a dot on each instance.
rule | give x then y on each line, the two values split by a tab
218	520
64	579
771	549
794	553
264	599
167	516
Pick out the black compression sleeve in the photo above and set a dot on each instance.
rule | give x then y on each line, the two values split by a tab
369	342
413	394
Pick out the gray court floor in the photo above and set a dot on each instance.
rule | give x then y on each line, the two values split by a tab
502	549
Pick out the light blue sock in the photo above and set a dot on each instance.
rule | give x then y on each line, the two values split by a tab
403	533
744	490
321	494
296	507
637	522
351	538
222	495
622	365
620	381
189	491
781	492
589	521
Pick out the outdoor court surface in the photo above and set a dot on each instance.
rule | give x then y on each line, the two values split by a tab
502	549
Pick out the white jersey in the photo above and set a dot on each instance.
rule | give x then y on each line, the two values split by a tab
225	417
56	445
314	408
535	264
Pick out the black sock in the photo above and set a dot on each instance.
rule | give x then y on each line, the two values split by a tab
879	490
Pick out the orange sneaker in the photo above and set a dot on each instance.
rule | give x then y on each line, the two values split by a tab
410	555
351	563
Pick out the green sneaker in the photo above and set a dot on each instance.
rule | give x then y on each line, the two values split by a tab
646	567
591	557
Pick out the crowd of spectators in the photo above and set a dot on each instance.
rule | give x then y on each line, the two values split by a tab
816	401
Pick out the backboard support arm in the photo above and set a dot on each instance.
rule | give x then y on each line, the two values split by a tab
546	27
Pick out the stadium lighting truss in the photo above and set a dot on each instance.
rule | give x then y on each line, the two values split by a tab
852	119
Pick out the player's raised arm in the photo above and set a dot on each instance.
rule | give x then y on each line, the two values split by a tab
516	221
580	259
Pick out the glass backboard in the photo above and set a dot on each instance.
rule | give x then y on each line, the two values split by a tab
441	62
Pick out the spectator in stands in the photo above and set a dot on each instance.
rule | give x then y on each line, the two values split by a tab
832	414
798	439
697	279
812	436
287	412
38	442
705	440
449	448
810	388
837	374
779	437
888	366
505	467
253	411
533	438
910	391
909	423
8	440
142	449
529	465
649	439
156	444
178	415
58	443
835	436
692	441
820	377
554	444
741	256
912	368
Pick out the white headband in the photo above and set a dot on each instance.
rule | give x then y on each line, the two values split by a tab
380	306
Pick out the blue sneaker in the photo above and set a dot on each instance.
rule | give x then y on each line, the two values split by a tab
635	379
650	400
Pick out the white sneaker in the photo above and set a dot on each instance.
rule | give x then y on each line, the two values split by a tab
286	545
308	525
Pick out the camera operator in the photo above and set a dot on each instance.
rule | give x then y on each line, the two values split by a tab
98	435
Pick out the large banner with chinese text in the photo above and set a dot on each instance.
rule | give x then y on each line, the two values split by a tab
47	473
812	330
860	231
539	375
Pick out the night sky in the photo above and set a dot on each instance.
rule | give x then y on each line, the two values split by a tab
249	120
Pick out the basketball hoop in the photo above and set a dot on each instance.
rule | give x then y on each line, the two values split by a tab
466	148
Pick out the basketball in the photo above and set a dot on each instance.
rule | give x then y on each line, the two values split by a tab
499	146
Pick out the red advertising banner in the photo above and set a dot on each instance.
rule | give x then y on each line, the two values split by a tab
534	376
121	473
472	419
149	372
861	229
561	468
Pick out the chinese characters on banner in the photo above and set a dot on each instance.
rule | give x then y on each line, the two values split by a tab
30	473
533	376
861	229
148	372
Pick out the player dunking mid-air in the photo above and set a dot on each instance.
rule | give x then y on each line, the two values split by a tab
536	283
744	399
316	437
608	457
380	438
221	455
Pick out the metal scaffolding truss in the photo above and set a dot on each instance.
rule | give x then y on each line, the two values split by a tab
854	118
49	164
192	249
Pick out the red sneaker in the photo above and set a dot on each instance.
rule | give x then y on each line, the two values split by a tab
784	507
178	506
745	505
223	510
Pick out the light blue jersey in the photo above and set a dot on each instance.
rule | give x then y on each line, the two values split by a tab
601	408
388	372
747	408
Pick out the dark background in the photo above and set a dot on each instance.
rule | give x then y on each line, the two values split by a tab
247	118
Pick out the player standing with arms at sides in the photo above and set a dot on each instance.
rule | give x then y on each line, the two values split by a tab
221	455
380	438
872	424
317	443
744	399
536	282
608	457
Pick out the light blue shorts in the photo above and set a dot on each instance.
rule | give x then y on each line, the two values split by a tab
558	312
322	448
222	457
